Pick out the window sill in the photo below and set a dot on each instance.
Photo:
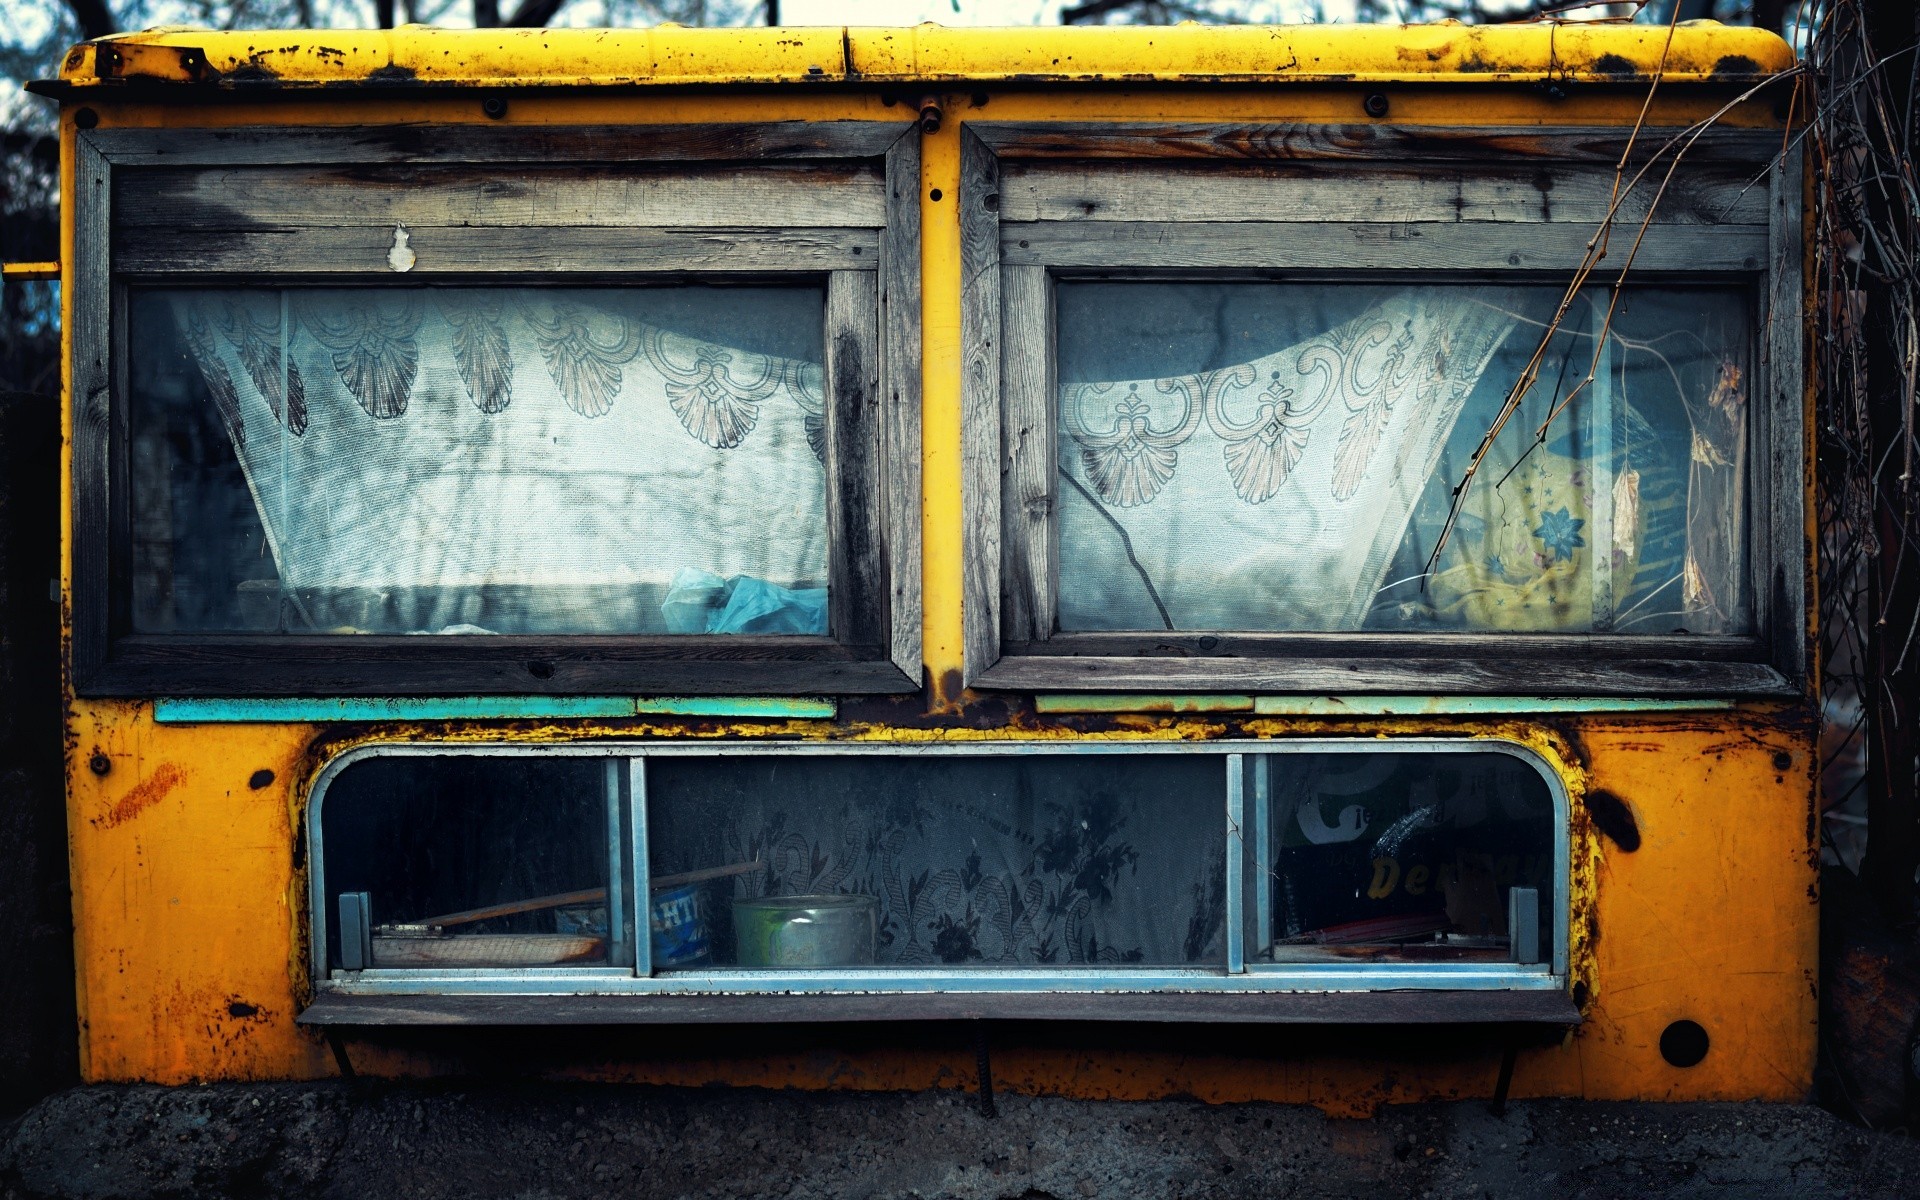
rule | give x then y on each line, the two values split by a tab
1517	1007
1404	676
252	666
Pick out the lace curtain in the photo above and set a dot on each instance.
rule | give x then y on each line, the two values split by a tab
521	460
1282	457
1270	494
1232	456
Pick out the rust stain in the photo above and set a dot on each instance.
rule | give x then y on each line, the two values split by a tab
144	795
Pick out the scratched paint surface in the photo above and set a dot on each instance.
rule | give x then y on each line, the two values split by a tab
189	871
930	53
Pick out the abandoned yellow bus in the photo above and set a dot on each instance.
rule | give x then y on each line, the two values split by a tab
1252	563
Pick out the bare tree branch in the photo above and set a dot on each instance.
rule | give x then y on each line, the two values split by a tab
534	13
96	19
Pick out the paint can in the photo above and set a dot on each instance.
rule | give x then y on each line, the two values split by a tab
678	919
807	931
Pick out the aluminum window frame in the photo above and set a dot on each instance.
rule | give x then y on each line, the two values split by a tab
872	320
1250	978
1011	635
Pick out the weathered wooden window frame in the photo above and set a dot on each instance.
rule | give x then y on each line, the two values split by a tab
871	272
1007	329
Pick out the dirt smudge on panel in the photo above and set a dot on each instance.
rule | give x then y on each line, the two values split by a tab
144	795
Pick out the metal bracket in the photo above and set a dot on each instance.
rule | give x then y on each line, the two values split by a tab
356	931
1523	924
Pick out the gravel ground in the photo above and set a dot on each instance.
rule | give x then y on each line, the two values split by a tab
538	1142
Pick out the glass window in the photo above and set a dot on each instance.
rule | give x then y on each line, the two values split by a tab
1409	856
1029	860
477	861
466	460
973	863
1283	457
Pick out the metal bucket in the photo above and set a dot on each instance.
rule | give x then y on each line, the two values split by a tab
807	931
678	919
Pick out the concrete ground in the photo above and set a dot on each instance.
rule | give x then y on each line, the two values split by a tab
539	1142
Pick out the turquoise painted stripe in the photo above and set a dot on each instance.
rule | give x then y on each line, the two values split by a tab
198	710
781	707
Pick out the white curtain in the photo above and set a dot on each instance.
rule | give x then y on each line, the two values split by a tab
1270	495
470	460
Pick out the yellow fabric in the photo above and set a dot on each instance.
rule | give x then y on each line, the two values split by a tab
1525	550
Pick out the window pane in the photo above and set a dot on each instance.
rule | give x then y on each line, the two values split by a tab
479	460
1029	860
1282	457
1403	855
435	842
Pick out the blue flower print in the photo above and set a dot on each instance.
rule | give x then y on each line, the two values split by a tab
1561	532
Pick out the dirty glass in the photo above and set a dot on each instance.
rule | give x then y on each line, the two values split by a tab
1283	457
902	861
465	460
477	861
1401	856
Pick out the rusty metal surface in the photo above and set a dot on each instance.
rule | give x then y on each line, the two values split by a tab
415	56
1693	882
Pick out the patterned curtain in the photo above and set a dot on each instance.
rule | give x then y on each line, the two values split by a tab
1061	860
476	460
1269	495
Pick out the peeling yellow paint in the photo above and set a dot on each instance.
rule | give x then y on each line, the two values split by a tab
189	880
1446	52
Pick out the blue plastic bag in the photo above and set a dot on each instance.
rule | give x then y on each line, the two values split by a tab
702	602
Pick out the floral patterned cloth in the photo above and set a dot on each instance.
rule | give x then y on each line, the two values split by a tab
1058	860
1270	495
523	459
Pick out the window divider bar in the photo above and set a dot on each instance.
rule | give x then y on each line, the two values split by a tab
1262	853
618	949
1236	855
642	867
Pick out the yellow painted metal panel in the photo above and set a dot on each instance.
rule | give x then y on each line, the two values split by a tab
188	879
187	905
1444	52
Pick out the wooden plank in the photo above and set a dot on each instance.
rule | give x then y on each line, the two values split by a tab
269	666
1640	677
548	196
583	896
513	908
756	141
1388	194
489	950
1542	1007
900	364
1305	141
856	549
1781	477
979	202
1341	246
461	249
1538	646
1029	472
89	402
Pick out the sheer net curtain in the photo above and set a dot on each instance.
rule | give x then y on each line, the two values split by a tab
465	460
1282	457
